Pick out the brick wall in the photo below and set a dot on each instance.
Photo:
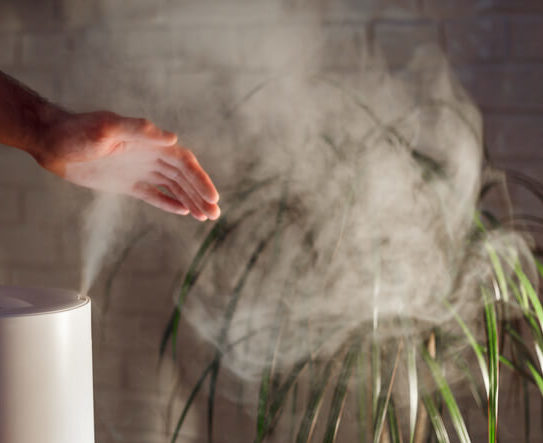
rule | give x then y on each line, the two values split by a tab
137	57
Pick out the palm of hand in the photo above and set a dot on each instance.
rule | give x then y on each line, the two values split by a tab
133	157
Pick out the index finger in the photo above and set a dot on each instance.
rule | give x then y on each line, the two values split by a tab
185	162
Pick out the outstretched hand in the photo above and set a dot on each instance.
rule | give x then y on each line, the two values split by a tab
104	151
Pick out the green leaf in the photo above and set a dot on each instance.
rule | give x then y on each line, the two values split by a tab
537	377
262	416
211	396
539	266
314	404
375	376
448	397
383	402
436	419
229	314
532	295
474	345
190	400
528	289
539	355
493	366
478	222
266	379
413	389
361	397
280	396
498	271
474	386
520	346
393	426
217	233
200	382
340	392
221	229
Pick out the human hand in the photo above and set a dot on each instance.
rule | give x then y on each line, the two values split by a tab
104	151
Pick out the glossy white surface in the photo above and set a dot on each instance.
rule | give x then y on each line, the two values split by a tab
46	392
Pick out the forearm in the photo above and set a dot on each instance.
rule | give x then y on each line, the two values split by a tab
24	116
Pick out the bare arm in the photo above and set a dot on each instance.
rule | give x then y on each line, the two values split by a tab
105	151
24	115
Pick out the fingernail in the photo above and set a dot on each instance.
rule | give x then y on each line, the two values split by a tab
217	213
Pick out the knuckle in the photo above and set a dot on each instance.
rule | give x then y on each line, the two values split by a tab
177	176
189	160
185	153
101	131
104	125
146	125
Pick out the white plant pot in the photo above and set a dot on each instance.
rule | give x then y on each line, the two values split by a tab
46	392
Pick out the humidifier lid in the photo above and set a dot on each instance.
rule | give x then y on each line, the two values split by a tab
16	301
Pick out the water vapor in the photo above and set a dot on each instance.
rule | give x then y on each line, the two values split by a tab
349	199
352	209
102	225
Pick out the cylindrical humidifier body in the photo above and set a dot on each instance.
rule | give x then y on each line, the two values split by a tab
46	391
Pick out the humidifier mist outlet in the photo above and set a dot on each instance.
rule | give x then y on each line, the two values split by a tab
46	392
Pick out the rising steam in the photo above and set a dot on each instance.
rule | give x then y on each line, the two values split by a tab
102	223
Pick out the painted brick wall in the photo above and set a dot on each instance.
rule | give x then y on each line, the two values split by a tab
118	54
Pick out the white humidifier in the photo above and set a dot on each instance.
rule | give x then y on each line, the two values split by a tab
45	367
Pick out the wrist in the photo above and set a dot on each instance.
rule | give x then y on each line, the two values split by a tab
47	117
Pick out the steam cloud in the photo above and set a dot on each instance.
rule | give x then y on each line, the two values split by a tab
369	213
361	188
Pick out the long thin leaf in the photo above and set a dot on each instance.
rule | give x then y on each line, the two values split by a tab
280	396
498	271
229	314
361	397
436	420
448	397
201	380
413	389
528	289
314	404
262	417
474	345
340	392
216	236
532	295
190	400
422	417
266	379
217	232
493	366
537	377
375	376
293	410
522	347
473	385
385	399
393	426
